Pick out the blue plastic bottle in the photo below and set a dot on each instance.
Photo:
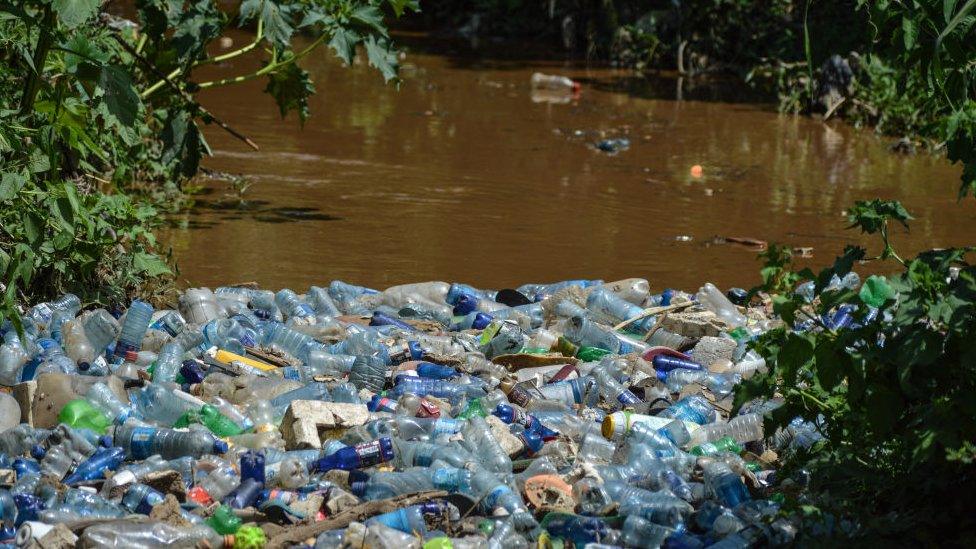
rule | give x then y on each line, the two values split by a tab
359	456
134	328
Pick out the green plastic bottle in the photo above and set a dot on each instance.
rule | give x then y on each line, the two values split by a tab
474	408
724	444
591	354
212	419
223	521
79	414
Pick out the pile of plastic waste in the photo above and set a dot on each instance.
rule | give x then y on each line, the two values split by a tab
427	415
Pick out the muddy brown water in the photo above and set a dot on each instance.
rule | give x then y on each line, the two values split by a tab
463	174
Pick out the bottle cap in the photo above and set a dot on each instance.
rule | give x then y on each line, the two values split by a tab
220	447
131	356
615	424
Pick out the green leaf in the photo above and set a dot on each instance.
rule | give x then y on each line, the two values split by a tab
369	16
400	6
291	87
10	185
909	29
380	57
119	95
830	365
39	162
149	264
344	42
276	19
33	228
73	13
876	291
796	353
182	144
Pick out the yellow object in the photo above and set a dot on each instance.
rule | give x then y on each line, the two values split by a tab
228	357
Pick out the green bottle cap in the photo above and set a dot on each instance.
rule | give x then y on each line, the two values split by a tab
439	543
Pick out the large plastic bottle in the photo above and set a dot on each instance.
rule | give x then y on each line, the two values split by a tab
147	534
322	303
694	408
661	507
293	307
13	356
616	309
101	329
137	319
713	299
480	442
163	404
199	305
54	359
142	442
381	485
724	484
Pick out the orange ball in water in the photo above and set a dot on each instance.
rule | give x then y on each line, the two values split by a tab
697	171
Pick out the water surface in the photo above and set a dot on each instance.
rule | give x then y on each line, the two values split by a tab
465	175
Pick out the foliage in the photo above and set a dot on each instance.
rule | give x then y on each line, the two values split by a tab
99	115
891	390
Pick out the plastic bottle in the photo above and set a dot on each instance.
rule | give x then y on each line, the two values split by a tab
694	408
139	535
105	400
724	444
359	456
448	390
137	319
554	83
13	356
101	329
165	405
104	459
660	507
324	363
715	300
220	482
322	303
638	532
293	307
54	359
724	484
617	309
409	519
80	414
480	442
142	442
423	454
381	485
199	305
494	494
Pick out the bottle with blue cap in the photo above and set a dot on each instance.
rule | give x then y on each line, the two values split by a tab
142	442
359	456
104	459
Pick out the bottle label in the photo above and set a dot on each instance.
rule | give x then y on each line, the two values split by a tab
628	398
141	446
446	427
370	453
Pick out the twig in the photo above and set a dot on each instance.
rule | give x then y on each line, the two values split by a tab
833	108
186	96
653	311
342	519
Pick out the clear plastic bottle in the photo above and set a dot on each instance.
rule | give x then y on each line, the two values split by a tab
694	408
292	307
218	483
495	494
714	300
13	356
381	485
168	363
76	344
291	341
617	309
480	442
164	405
101	329
724	484
105	400
638	532
553	82
660	507
199	306
54	359
137	319
149	534
368	372
322	302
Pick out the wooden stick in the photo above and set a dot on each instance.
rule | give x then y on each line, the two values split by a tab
342	519
653	311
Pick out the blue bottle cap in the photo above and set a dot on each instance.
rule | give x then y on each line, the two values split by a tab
38	452
220	447
465	304
105	441
416	351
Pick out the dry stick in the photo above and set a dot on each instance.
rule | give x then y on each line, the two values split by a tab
342	519
653	311
186	96
833	108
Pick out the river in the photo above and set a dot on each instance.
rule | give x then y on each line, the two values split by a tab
463	174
